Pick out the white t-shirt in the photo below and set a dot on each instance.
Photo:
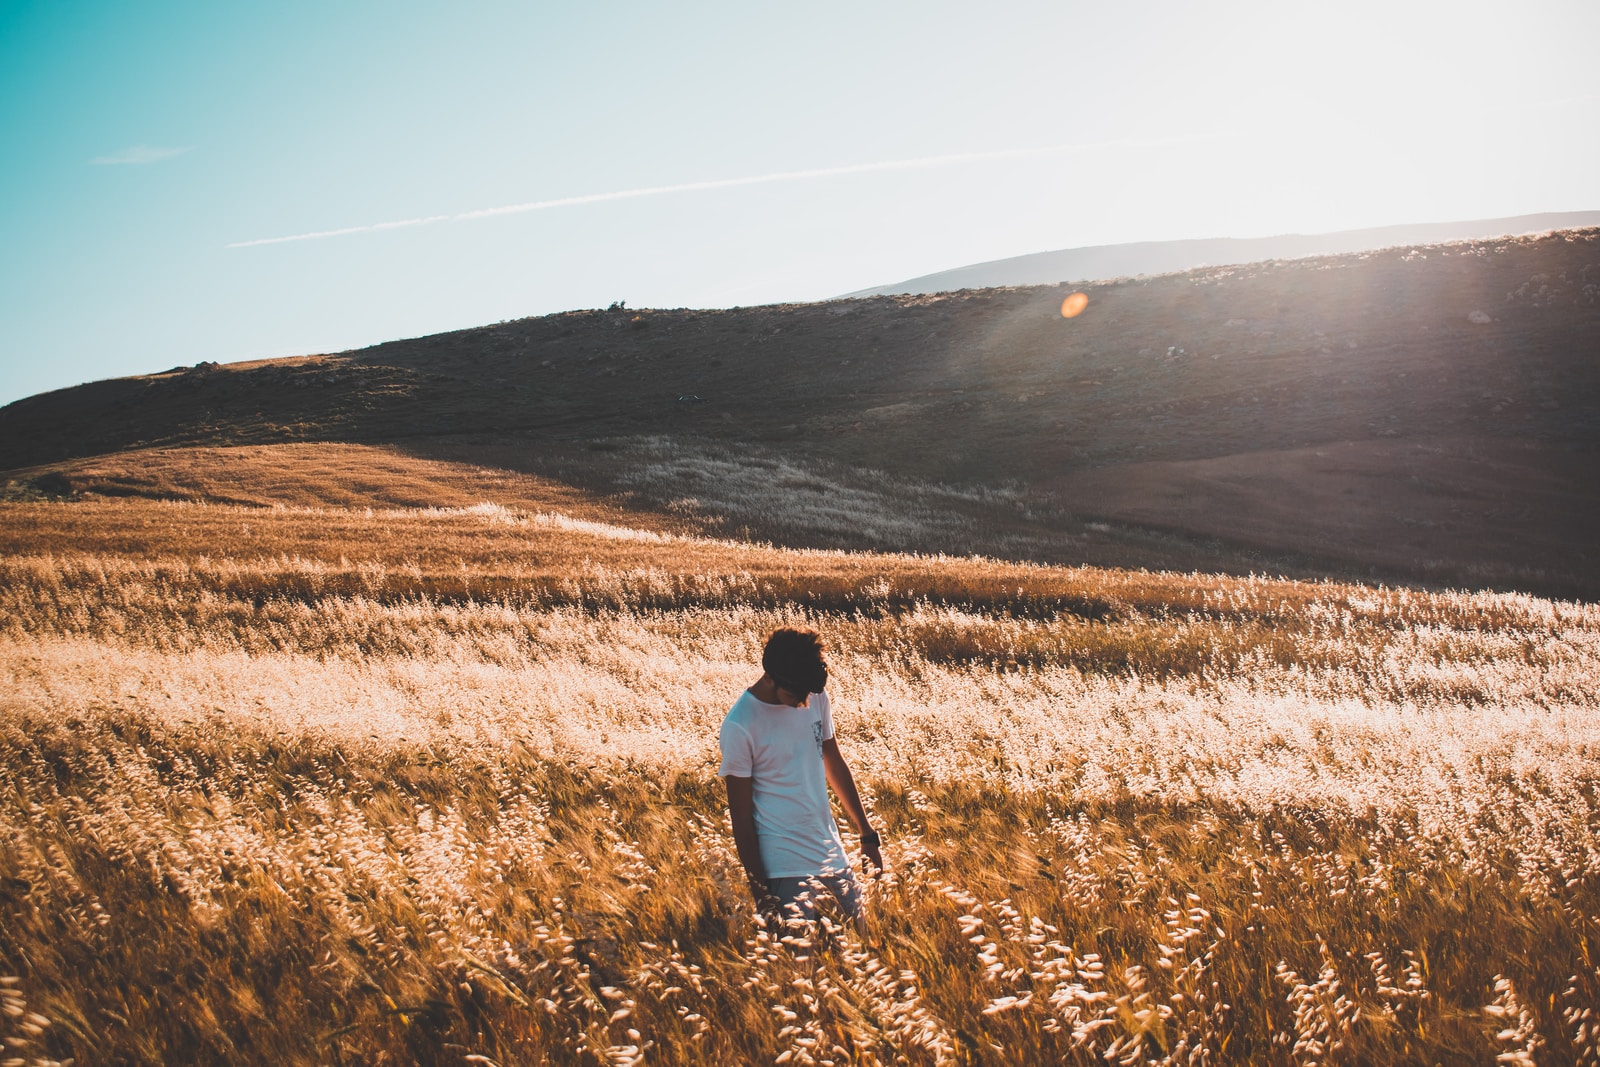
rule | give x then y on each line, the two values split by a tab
781	749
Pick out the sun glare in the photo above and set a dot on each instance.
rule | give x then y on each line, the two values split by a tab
1073	305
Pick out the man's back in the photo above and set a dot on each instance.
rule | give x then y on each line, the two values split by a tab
779	748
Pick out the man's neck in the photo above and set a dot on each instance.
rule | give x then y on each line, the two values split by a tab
766	691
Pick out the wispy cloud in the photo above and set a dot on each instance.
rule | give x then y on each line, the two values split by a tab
922	163
138	154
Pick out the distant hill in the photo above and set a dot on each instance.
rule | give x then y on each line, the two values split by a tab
1426	414
1164	257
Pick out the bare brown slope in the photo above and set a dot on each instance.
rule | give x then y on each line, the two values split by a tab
990	387
1463	511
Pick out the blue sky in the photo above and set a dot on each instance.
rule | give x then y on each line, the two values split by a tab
143	147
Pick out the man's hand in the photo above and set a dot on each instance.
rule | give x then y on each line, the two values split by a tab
767	905
872	852
759	892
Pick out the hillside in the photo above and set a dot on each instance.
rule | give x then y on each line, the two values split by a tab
1165	257
1347	414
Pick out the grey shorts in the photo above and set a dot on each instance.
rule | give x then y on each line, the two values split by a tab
799	896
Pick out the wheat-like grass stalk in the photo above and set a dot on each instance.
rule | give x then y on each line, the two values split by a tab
342	797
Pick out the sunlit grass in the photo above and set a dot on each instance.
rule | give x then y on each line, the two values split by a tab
421	786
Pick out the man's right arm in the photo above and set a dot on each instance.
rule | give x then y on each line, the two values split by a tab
742	812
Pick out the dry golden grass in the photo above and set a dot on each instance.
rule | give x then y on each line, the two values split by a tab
438	785
492	552
326	474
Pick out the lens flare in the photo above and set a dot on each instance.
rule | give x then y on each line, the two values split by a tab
1073	305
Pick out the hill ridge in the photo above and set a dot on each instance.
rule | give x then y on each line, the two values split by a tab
1136	258
1462	375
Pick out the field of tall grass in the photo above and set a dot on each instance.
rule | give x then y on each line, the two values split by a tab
352	785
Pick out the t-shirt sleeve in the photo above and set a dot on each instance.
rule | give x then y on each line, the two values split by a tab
827	716
738	751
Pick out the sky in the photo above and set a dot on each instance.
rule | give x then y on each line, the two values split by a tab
441	166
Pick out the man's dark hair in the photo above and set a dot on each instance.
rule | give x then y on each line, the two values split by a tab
794	660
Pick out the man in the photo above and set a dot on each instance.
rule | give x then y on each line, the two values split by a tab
779	757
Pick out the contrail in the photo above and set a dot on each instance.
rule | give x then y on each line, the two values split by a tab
719	183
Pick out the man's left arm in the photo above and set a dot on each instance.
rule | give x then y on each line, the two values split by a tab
844	787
